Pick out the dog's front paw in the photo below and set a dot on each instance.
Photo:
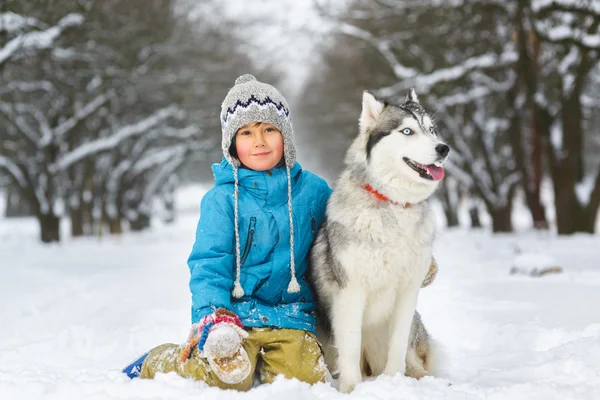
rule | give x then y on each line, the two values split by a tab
348	383
347	387
392	369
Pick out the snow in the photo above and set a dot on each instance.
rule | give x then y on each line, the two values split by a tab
11	22
37	39
75	313
584	189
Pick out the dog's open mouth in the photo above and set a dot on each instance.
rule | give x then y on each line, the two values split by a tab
431	171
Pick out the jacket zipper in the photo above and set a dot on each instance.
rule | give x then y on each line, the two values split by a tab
249	239
313	222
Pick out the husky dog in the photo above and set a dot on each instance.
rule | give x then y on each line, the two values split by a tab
375	248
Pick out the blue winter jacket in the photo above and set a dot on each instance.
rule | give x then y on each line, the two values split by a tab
264	233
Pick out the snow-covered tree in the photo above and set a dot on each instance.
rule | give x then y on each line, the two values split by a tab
557	66
109	111
514	75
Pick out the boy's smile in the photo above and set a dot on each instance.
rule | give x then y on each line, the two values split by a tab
259	145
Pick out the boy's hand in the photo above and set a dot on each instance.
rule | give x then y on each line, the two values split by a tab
218	335
221	334
222	341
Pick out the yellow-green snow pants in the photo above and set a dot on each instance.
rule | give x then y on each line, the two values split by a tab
292	353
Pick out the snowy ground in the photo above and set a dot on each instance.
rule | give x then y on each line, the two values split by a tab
74	314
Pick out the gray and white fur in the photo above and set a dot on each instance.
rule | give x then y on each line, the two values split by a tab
372	253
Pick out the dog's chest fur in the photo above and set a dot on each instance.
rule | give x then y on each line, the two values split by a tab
389	247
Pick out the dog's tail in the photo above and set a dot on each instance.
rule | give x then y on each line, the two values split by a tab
435	358
425	356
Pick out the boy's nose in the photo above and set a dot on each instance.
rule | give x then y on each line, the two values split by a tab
259	141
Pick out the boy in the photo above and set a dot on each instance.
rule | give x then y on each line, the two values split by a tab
252	308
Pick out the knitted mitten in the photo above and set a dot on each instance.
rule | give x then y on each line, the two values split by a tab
219	338
431	274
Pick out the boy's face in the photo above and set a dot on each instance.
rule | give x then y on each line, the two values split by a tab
259	145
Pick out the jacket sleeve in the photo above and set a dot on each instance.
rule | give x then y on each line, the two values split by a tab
324	194
212	260
326	190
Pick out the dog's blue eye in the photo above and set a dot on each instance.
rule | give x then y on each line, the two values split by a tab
406	131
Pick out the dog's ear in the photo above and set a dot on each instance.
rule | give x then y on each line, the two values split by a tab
412	96
371	110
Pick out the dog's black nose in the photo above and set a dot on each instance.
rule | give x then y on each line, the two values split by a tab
442	149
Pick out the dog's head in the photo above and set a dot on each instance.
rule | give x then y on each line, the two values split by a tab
398	148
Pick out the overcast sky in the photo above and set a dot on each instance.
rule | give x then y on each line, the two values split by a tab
283	32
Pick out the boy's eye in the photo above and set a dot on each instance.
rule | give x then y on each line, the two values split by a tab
270	129
245	133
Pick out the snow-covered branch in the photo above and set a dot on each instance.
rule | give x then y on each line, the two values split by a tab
425	82
13	113
11	22
27	86
70	123
161	176
13	169
566	34
383	46
112	141
474	93
588	7
38	39
158	157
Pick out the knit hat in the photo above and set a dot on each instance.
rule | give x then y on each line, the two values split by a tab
252	101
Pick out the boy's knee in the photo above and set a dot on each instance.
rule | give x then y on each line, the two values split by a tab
159	359
317	373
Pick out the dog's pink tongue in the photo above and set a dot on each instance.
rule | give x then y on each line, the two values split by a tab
437	173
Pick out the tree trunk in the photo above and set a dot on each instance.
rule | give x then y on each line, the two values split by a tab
593	206
49	227
591	214
474	214
568	208
538	213
446	198
528	155
585	220
115	227
534	183
451	217
501	221
16	205
140	223
77	222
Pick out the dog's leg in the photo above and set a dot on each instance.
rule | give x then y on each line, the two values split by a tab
347	314
406	304
375	341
